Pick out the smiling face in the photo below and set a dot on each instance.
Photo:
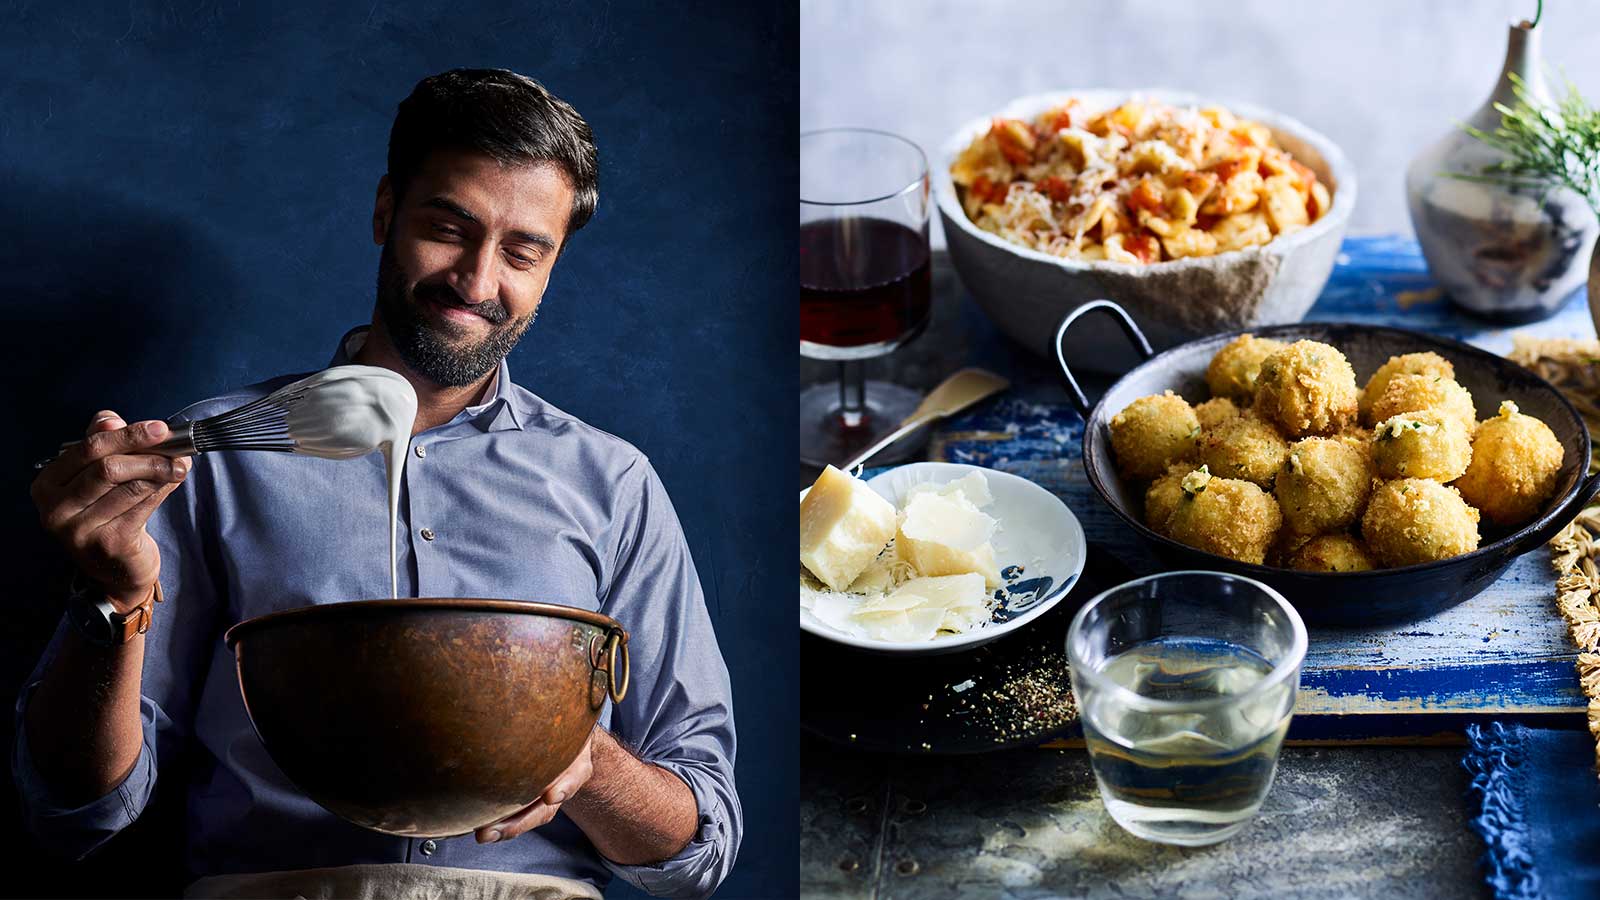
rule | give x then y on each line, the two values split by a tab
467	253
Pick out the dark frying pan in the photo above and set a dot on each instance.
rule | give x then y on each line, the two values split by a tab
1344	598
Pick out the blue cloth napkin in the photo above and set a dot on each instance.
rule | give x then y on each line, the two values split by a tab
1536	804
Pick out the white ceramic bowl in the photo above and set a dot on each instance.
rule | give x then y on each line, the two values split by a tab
1027	292
1037	532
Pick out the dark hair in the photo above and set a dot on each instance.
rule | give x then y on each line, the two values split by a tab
508	117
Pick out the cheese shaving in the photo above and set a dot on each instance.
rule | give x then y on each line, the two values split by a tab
933	578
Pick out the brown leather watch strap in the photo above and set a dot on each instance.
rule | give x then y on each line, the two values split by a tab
136	620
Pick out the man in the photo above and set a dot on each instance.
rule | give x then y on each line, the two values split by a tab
505	496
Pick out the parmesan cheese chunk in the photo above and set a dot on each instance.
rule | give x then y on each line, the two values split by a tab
945	534
936	576
844	525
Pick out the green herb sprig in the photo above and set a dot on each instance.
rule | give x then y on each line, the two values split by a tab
1546	148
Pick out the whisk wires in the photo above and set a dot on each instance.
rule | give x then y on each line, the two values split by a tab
258	425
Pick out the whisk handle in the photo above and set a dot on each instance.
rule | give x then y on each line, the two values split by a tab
179	443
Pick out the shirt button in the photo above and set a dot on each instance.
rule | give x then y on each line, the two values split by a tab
422	452
427	534
428	847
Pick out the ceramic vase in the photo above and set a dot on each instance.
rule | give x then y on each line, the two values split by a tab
1509	253
1594	289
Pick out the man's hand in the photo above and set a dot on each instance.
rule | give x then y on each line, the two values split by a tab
96	497
542	810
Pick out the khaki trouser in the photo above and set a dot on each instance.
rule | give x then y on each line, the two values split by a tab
406	881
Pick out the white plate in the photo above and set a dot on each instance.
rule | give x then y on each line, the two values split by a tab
1037	532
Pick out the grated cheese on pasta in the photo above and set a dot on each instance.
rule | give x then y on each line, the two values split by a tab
1137	184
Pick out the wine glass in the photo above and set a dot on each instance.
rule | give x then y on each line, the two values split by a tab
864	281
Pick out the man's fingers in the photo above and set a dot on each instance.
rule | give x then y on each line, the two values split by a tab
541	811
565	785
118	481
545	808
114	441
573	777
69	461
126	506
526	820
104	420
106	437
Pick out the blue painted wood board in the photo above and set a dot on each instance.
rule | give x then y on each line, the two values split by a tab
1501	654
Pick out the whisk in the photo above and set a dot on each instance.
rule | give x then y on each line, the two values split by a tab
258	425
269	423
261	424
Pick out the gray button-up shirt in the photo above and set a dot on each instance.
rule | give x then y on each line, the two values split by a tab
516	499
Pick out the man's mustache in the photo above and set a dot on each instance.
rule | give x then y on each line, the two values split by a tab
492	310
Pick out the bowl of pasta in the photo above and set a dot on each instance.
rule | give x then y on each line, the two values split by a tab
1197	216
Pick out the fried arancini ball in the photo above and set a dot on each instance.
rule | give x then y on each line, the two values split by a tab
1163	496
1152	432
1426	363
1427	443
1225	516
1409	393
1285	545
1323	485
1418	520
1306	388
1214	411
1356	437
1243	447
1338	552
1516	460
1232	372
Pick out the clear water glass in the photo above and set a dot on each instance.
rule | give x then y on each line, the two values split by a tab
1185	682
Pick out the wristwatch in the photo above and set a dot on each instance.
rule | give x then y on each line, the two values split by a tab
91	612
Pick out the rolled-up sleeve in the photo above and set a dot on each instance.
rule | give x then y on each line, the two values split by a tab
176	653
678	713
77	831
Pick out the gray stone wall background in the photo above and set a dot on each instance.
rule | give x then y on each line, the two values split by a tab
1381	78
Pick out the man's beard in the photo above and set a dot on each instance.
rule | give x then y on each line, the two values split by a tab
427	348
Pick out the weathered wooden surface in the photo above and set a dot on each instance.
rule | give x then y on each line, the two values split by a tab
1502	653
1383	822
1356	820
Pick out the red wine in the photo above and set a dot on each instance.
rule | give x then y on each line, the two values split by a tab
864	287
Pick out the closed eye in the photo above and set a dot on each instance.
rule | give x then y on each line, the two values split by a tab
520	261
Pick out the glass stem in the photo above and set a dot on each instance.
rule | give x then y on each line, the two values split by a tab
852	394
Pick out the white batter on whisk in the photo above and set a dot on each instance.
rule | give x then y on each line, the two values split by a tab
350	411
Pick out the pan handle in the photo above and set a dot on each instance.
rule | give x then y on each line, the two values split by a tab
1582	498
1135	336
610	657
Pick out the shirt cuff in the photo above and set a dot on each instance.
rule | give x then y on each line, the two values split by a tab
76	832
697	869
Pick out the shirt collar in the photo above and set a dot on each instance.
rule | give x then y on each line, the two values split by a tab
497	412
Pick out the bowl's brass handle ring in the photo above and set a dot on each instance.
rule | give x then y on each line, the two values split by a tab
616	645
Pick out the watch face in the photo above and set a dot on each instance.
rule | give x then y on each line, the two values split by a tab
94	621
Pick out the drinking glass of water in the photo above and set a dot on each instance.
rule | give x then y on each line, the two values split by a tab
1185	682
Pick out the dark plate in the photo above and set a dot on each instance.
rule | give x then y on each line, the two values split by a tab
1384	596
900	704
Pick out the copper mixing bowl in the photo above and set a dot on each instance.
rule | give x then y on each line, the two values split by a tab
427	717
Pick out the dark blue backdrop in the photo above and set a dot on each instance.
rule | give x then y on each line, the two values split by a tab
186	191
